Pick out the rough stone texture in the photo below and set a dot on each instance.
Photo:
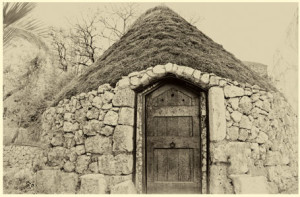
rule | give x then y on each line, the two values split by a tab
126	187
98	144
115	165
93	184
124	98
260	135
126	116
82	163
233	91
56	182
123	138
219	183
111	118
217	122
245	184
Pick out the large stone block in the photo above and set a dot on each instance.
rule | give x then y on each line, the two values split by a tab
115	165
126	187
46	181
124	98
56	182
98	144
93	184
233	91
246	184
123	138
68	183
217	121
126	116
219	183
114	180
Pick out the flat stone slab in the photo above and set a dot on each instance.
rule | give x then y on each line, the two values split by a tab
246	184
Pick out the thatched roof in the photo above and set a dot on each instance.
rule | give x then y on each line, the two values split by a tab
160	36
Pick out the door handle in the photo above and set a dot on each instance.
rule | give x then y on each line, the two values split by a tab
172	145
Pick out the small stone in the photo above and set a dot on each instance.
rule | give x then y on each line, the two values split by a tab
233	133
104	87
168	67
204	78
234	103
236	116
69	117
245	104
57	140
262	137
97	102
107	106
135	81
243	135
93	167
82	163
69	166
107	97
188	72
92	113
159	69
145	79
197	75
80	149
70	127
124	83
245	123
213	80
78	137
69	140
107	130
111	118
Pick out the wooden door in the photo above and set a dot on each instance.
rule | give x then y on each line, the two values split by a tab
172	141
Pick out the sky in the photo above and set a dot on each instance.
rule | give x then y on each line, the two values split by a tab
251	31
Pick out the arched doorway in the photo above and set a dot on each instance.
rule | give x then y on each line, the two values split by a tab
173	125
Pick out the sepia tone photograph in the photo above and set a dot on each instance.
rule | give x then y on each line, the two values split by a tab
150	97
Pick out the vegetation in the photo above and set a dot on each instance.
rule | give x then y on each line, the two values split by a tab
160	36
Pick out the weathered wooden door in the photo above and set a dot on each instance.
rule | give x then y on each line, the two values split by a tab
172	141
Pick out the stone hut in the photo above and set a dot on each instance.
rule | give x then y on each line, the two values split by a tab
167	110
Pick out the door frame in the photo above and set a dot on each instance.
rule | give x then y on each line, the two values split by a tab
140	145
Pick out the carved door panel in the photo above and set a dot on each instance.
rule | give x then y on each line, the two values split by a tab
173	162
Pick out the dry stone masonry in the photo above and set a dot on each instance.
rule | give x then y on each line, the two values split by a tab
253	137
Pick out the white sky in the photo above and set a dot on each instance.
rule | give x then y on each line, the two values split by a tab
251	31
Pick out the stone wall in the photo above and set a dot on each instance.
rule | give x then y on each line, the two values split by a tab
21	157
253	135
